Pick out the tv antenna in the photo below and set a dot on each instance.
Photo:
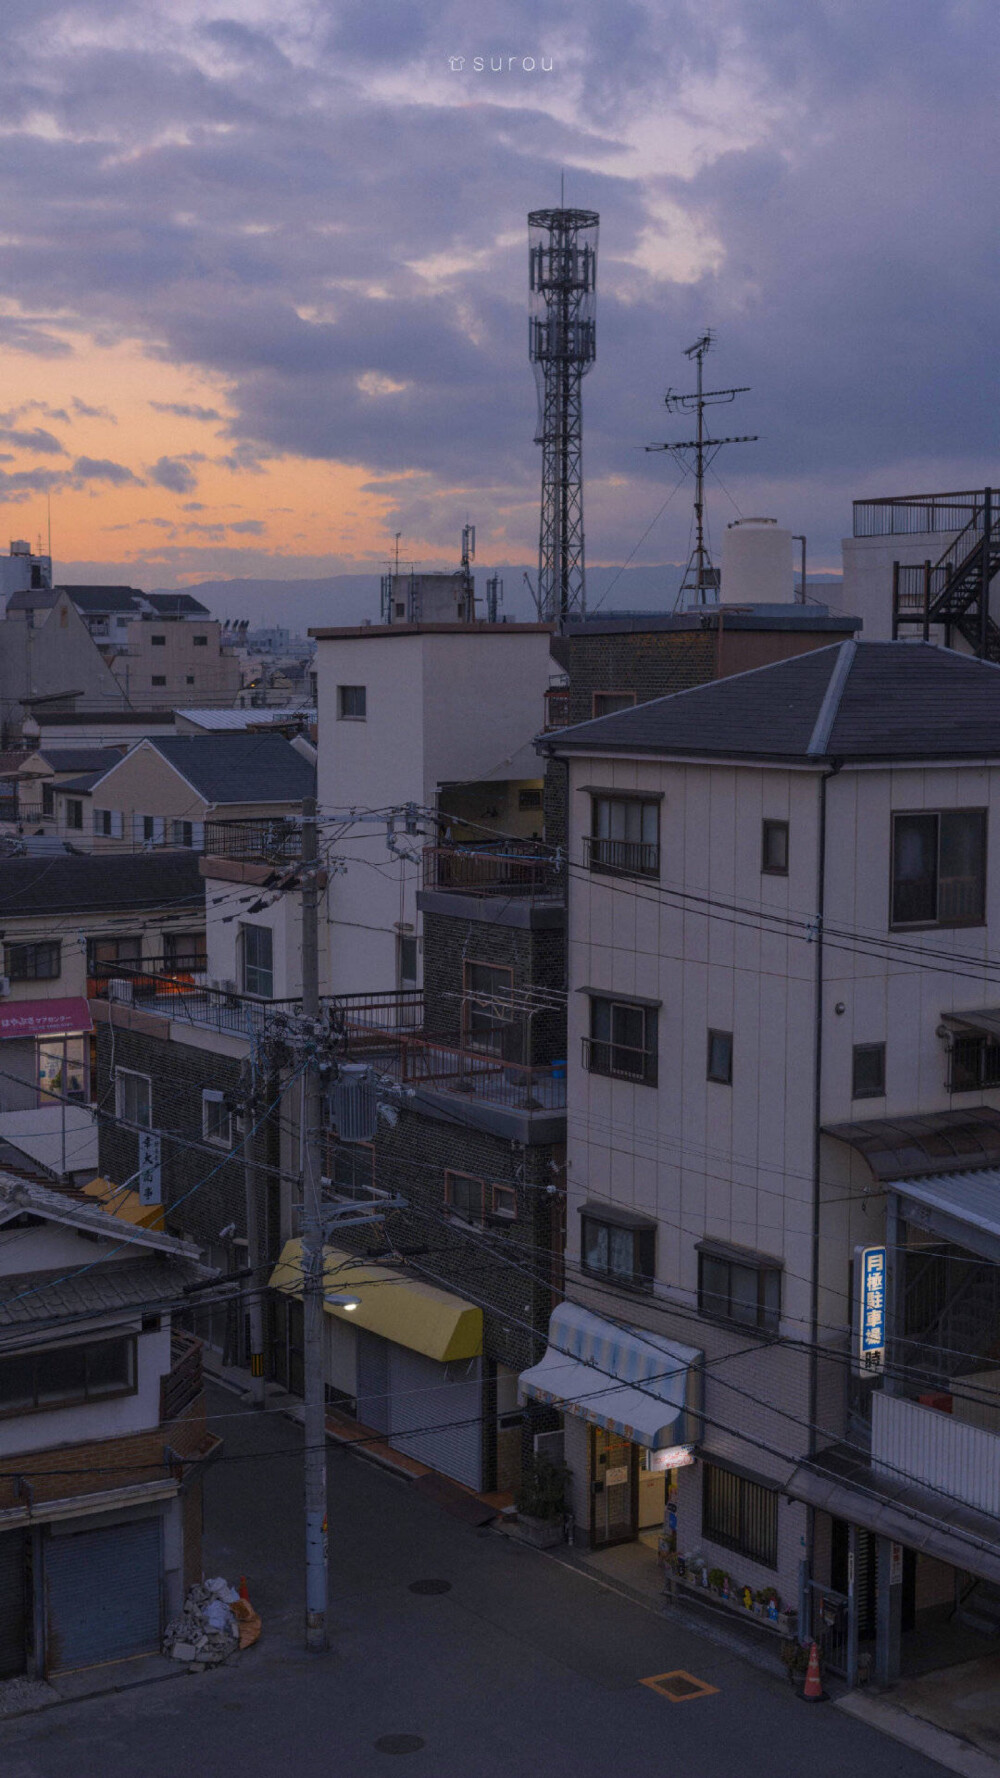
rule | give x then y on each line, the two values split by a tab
700	585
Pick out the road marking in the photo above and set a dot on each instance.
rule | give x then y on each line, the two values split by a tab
678	1686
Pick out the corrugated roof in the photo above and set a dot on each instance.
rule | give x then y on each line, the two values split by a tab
952	1140
231	768
80	882
971	1197
887	700
239	721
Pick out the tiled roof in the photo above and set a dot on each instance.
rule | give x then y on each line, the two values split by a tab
853	701
28	1297
85	882
228	768
80	759
177	605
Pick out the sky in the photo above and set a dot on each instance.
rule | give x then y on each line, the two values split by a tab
264	270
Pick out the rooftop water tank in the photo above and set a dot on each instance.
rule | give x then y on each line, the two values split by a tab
756	563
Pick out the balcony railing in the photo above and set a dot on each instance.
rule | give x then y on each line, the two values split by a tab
182	1383
557	707
619	1060
373	1021
263	840
158	986
624	858
480	1076
507	868
909	515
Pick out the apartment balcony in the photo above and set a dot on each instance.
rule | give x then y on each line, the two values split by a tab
163	986
502	868
914	1442
374	1022
263	840
621	858
480	1076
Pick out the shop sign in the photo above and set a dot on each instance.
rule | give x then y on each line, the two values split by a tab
672	1457
870	1268
150	1190
614	1478
895	1565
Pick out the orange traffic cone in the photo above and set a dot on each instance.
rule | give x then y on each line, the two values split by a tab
244	1593
813	1688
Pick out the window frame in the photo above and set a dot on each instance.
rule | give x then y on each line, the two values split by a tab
247	967
749	1501
199	641
74	1397
710	1302
476	1219
158	679
714	1036
121	1075
605	866
641	1274
157	641
349	694
74	813
362	1157
488	1033
32	946
597	696
937	923
648	1074
212	1096
770	828
858	1092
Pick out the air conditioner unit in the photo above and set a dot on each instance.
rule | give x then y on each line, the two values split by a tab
4	986
119	988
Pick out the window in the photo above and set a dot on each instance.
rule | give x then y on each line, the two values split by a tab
475	1199
774	849
939	868
622	1251
112	950
625	836
189	679
607	702
200	641
720	1057
407	961
622	1040
184	950
974	1064
64	1375
257	953
352	703
34	963
158	641
400	609
740	1515
529	799
351	1168
505	1202
134	1098
487	1009
48	799
182	833
74	813
745	1291
216	1118
158	679
868	1071
102	822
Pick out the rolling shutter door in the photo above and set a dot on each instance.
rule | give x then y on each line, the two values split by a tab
102	1595
437	1413
13	1603
373	1380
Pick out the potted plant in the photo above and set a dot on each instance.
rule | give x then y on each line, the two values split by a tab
541	1502
716	1579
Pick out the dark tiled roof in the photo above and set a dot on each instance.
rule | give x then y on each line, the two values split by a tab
76	883
92	600
80	759
109	1285
228	768
82	785
177	605
855	700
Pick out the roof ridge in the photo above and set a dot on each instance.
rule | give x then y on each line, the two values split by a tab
826	716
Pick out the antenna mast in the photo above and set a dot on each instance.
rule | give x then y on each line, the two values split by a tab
700	585
562	347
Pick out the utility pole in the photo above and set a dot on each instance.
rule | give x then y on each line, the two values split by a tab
312	1251
255	1258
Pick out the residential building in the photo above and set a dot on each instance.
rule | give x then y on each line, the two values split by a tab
781	901
22	569
165	791
41	771
65	920
437	716
916	566
103	1439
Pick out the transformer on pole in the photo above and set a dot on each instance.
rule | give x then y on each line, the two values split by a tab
562	348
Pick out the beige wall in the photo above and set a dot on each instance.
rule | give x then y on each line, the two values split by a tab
195	672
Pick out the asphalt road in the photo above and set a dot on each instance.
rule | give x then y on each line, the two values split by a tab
524	1667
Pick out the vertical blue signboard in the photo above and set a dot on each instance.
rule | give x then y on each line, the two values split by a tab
871	1318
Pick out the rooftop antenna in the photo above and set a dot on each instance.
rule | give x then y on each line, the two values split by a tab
48	507
398	536
700	584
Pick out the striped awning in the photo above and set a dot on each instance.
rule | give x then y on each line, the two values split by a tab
637	1384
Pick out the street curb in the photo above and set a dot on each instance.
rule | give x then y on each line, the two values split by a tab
924	1737
104	1691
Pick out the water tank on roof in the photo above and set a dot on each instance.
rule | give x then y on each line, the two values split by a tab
756	563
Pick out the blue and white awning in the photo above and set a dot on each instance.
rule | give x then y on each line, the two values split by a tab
637	1384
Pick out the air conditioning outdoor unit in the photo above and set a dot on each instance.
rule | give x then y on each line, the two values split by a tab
120	988
4	986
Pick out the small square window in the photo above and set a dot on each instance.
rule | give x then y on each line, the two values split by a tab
352	703
529	799
216	1119
200	641
158	641
189	679
606	703
134	1095
159	679
720	1057
868	1071
505	1202
774	849
625	1253
465	1196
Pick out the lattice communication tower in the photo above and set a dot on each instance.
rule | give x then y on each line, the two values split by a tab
562	348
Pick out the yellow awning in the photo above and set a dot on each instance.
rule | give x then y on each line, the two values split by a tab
404	1310
126	1205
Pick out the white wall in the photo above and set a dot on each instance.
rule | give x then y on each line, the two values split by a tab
866	588
99	1419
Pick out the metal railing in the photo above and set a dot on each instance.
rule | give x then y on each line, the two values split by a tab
509	867
183	1383
626	858
161	988
619	1060
909	515
263	839
556	707
371	1021
474	1073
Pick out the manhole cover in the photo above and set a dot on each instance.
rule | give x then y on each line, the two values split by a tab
430	1586
399	1744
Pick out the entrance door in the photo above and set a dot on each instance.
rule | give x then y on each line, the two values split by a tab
612	1489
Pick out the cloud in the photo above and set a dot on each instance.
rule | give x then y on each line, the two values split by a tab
248	527
93	413
186	410
101	469
35	439
174	474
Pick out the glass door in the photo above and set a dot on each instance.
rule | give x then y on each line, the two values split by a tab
612	1489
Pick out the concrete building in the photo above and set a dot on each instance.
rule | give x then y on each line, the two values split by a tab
22	570
913	567
440	716
781	1054
103	1439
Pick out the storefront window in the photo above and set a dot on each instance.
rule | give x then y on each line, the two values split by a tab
62	1068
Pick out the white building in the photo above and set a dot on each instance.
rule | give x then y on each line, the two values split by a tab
782	900
440	716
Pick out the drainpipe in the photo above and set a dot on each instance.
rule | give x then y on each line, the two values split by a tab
817	1143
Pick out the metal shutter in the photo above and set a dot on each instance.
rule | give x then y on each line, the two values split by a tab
373	1381
436	1413
13	1603
102	1595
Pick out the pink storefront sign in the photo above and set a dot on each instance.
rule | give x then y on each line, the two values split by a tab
44	1018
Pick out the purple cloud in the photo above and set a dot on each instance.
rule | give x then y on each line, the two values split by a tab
174	474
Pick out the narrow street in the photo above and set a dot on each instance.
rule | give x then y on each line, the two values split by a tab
523	1666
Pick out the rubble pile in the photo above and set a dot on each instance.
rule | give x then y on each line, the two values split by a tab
206	1632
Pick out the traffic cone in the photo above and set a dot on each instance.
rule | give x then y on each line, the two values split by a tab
244	1594
813	1688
